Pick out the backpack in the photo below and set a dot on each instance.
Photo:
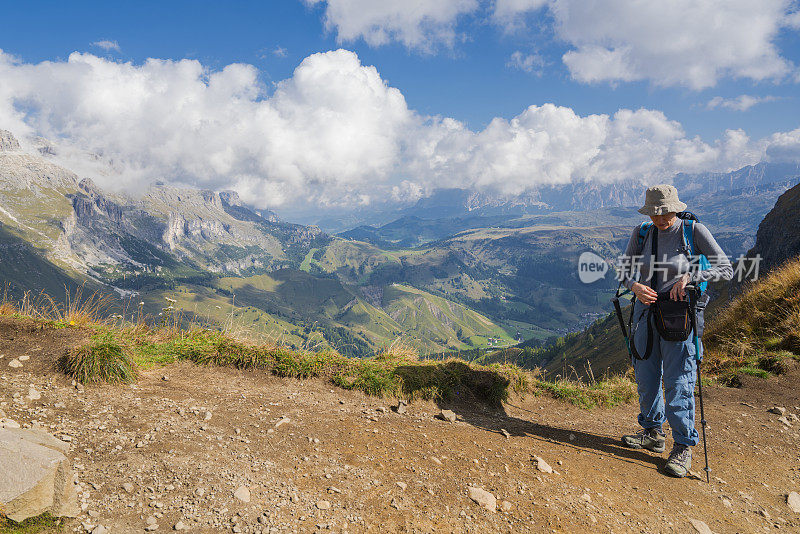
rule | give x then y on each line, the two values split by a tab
688	219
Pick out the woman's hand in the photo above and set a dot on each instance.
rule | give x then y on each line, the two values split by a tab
678	290
645	294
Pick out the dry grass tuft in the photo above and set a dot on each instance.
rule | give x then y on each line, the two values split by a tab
78	308
399	349
7	305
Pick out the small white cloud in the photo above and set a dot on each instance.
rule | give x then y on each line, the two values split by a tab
107	45
510	13
531	63
280	51
784	146
421	25
740	103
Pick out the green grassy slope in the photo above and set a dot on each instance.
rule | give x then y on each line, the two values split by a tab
23	268
428	322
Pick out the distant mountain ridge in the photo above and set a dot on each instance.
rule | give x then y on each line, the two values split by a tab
542	199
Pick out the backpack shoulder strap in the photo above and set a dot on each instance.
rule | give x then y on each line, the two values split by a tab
688	234
688	240
643	229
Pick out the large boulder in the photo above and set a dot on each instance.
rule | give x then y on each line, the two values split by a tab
37	476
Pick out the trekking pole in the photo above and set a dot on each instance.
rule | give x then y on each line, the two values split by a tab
693	296
618	309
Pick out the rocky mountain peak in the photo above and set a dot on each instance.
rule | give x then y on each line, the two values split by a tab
8	142
231	198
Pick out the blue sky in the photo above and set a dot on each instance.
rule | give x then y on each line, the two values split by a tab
457	63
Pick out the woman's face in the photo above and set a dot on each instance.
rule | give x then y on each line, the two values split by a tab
663	221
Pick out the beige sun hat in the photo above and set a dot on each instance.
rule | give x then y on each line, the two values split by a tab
661	199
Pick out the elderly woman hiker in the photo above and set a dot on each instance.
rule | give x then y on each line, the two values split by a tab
663	247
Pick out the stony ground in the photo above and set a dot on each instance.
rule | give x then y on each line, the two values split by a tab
220	450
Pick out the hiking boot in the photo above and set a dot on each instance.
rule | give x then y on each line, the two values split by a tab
679	461
651	439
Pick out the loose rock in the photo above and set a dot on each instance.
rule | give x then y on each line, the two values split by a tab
323	505
483	498
448	415
700	526
541	465
242	493
779	410
793	500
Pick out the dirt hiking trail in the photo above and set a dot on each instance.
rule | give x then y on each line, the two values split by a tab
222	450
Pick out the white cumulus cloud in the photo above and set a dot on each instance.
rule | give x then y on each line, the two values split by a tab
691	43
784	146
334	133
333	126
552	144
417	24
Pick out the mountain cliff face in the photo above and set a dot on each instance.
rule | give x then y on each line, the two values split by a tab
79	225
778	237
8	142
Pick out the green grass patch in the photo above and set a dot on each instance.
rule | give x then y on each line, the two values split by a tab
102	360
611	392
33	525
754	371
114	355
385	375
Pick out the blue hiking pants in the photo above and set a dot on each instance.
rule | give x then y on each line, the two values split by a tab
674	363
